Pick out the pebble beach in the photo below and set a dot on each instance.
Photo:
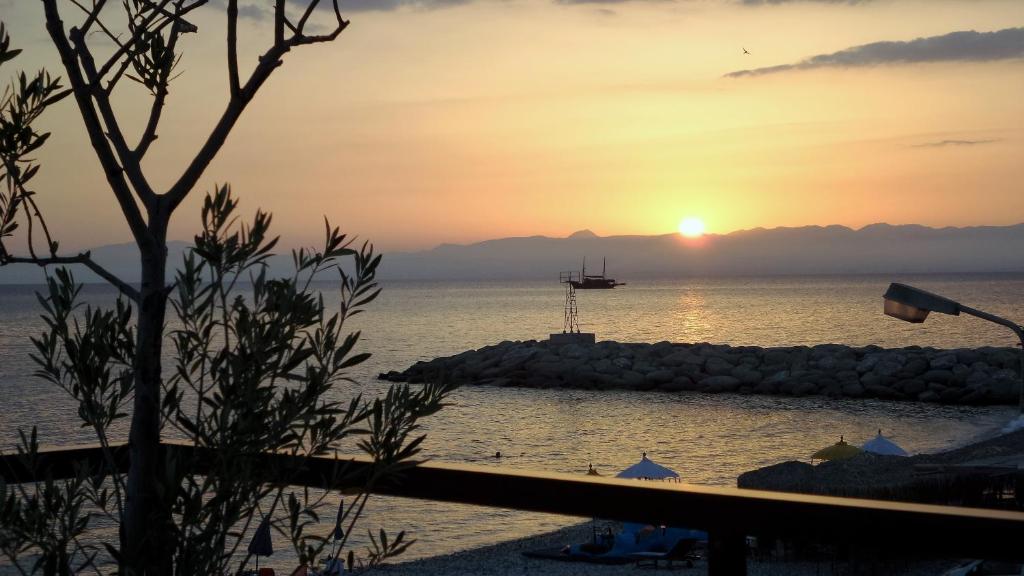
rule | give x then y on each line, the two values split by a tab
507	559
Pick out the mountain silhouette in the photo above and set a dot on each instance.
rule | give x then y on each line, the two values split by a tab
877	248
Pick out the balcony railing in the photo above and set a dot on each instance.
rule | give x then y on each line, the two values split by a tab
729	515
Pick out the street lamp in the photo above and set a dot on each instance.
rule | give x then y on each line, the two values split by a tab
913	305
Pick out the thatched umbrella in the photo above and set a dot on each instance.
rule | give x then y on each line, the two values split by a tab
838	451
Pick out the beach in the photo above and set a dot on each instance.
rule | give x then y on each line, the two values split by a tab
507	559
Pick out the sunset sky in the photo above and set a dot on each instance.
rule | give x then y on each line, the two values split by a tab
457	121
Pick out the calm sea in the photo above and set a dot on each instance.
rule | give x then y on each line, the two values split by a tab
707	439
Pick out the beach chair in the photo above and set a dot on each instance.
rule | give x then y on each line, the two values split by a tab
681	551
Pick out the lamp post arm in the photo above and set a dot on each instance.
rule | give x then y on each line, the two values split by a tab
1017	329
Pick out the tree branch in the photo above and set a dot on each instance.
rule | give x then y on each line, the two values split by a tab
149	133
147	23
268	62
81	90
233	48
113	129
84	259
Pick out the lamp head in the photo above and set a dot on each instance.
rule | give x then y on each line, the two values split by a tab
913	304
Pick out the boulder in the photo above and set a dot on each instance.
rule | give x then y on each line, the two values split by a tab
678	384
912	387
780	357
967	356
574	351
622	363
720	383
943	361
517	357
717	366
661	376
938	376
853	389
631	380
915	366
746	375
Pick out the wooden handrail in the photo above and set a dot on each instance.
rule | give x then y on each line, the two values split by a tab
727	514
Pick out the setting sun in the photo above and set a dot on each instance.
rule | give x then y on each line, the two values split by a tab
691	227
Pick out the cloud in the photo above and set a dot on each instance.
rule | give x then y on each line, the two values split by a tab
944	143
963	46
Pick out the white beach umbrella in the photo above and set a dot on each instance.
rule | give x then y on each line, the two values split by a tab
882	445
647	469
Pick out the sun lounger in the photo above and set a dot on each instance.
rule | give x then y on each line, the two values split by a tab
682	551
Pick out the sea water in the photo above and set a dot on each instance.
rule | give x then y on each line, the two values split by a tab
708	439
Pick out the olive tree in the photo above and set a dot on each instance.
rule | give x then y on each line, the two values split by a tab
251	372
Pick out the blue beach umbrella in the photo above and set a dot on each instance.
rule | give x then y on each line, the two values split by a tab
882	445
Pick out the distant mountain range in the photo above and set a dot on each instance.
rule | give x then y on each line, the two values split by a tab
878	248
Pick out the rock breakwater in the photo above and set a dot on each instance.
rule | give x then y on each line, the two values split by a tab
961	376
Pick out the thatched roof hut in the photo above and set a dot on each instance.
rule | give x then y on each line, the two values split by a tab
988	473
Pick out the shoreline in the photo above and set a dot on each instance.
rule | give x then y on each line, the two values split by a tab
506	558
963	376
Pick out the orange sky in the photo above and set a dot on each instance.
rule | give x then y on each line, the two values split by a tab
497	118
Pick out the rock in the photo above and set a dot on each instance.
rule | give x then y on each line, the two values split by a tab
662	376
805	388
915	366
912	387
1005	386
517	357
643	366
967	356
678	384
631	380
826	363
623	363
717	366
880	391
604	366
845	364
871	379
950	395
780	357
978	379
720	383
964	376
943	361
583	378
887	367
853	390
574	351
1003	358
938	376
746	375
848	376
868	363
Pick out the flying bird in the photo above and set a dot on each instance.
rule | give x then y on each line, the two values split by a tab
745	51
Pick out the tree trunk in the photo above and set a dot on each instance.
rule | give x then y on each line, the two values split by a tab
145	540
